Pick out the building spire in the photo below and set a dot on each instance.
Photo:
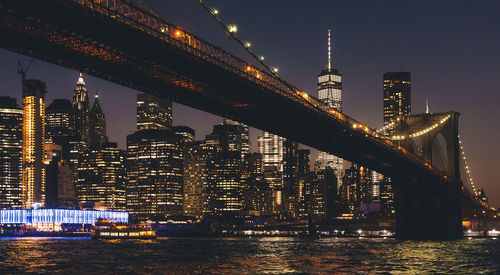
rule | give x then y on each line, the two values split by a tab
80	80
426	106
329	52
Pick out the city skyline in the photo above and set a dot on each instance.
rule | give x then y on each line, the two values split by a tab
480	158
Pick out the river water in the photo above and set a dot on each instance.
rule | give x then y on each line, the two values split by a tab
247	256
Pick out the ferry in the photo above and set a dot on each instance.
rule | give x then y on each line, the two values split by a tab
107	229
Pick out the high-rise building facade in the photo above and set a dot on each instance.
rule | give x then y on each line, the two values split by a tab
58	120
153	112
33	182
59	127
330	93
102	177
11	153
199	169
81	110
397	96
155	174
226	191
97	125
271	149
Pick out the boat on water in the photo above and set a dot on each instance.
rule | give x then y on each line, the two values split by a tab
107	229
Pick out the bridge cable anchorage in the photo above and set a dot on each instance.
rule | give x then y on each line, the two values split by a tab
232	30
467	170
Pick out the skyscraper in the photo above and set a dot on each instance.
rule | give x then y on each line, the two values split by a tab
155	174
102	177
271	149
11	152
226	191
58	121
155	162
81	109
397	96
97	125
199	165
153	112
59	128
330	92
33	187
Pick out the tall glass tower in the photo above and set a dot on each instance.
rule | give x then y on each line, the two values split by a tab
330	92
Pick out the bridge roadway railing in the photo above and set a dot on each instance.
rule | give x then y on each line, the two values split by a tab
126	13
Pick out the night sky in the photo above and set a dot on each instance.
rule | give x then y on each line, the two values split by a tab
452	49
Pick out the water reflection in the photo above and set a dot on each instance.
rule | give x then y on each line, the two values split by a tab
239	255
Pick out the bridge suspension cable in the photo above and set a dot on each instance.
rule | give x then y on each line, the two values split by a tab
232	30
467	170
416	134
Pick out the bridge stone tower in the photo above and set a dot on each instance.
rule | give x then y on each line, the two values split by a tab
430	209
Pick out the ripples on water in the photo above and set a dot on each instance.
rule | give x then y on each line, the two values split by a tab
243	255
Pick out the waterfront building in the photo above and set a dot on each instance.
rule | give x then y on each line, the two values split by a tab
81	111
155	174
33	178
11	153
199	168
97	124
330	93
397	96
153	112
49	219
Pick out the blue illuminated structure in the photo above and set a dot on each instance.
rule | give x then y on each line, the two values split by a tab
59	216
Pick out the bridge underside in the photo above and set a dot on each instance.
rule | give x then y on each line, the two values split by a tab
66	34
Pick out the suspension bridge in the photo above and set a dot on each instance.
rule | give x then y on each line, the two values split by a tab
122	43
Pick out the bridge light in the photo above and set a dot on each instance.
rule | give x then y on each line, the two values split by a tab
214	11
248	44
233	28
261	58
275	70
178	33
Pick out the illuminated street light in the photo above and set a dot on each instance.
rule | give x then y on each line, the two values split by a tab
233	28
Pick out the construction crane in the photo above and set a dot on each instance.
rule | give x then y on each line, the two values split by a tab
21	70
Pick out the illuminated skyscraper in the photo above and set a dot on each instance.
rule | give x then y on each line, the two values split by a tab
97	125
226	192
199	165
153	112
33	187
11	152
58	121
397	96
155	162
58	125
330	92
102	177
81	109
271	149
155	174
